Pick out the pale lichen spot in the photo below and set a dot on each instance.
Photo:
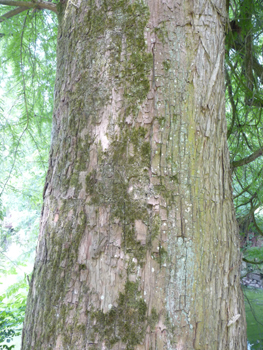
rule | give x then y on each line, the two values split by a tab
56	218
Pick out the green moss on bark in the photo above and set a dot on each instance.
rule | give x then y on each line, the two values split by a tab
125	322
153	318
124	23
123	166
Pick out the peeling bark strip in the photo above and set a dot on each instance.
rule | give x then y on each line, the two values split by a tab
138	244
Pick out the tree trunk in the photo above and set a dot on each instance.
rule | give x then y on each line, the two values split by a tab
138	245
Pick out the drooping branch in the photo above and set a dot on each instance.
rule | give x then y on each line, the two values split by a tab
231	98
256	225
258	68
12	13
248	186
238	46
253	196
252	310
248	159
256	99
253	262
44	5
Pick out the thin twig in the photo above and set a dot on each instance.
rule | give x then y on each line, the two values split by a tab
252	310
14	263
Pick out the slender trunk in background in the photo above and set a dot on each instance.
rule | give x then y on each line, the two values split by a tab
138	245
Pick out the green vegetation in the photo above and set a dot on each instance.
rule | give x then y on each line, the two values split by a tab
12	312
254	312
28	61
244	73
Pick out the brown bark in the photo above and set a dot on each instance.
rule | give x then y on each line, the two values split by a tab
45	5
12	13
138	245
248	159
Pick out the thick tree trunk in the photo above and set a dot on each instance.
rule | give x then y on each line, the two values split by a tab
138	245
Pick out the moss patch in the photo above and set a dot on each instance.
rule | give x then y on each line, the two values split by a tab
154	318
126	322
162	256
124	22
125	165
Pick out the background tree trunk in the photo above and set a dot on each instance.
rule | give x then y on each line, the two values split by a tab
138	245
